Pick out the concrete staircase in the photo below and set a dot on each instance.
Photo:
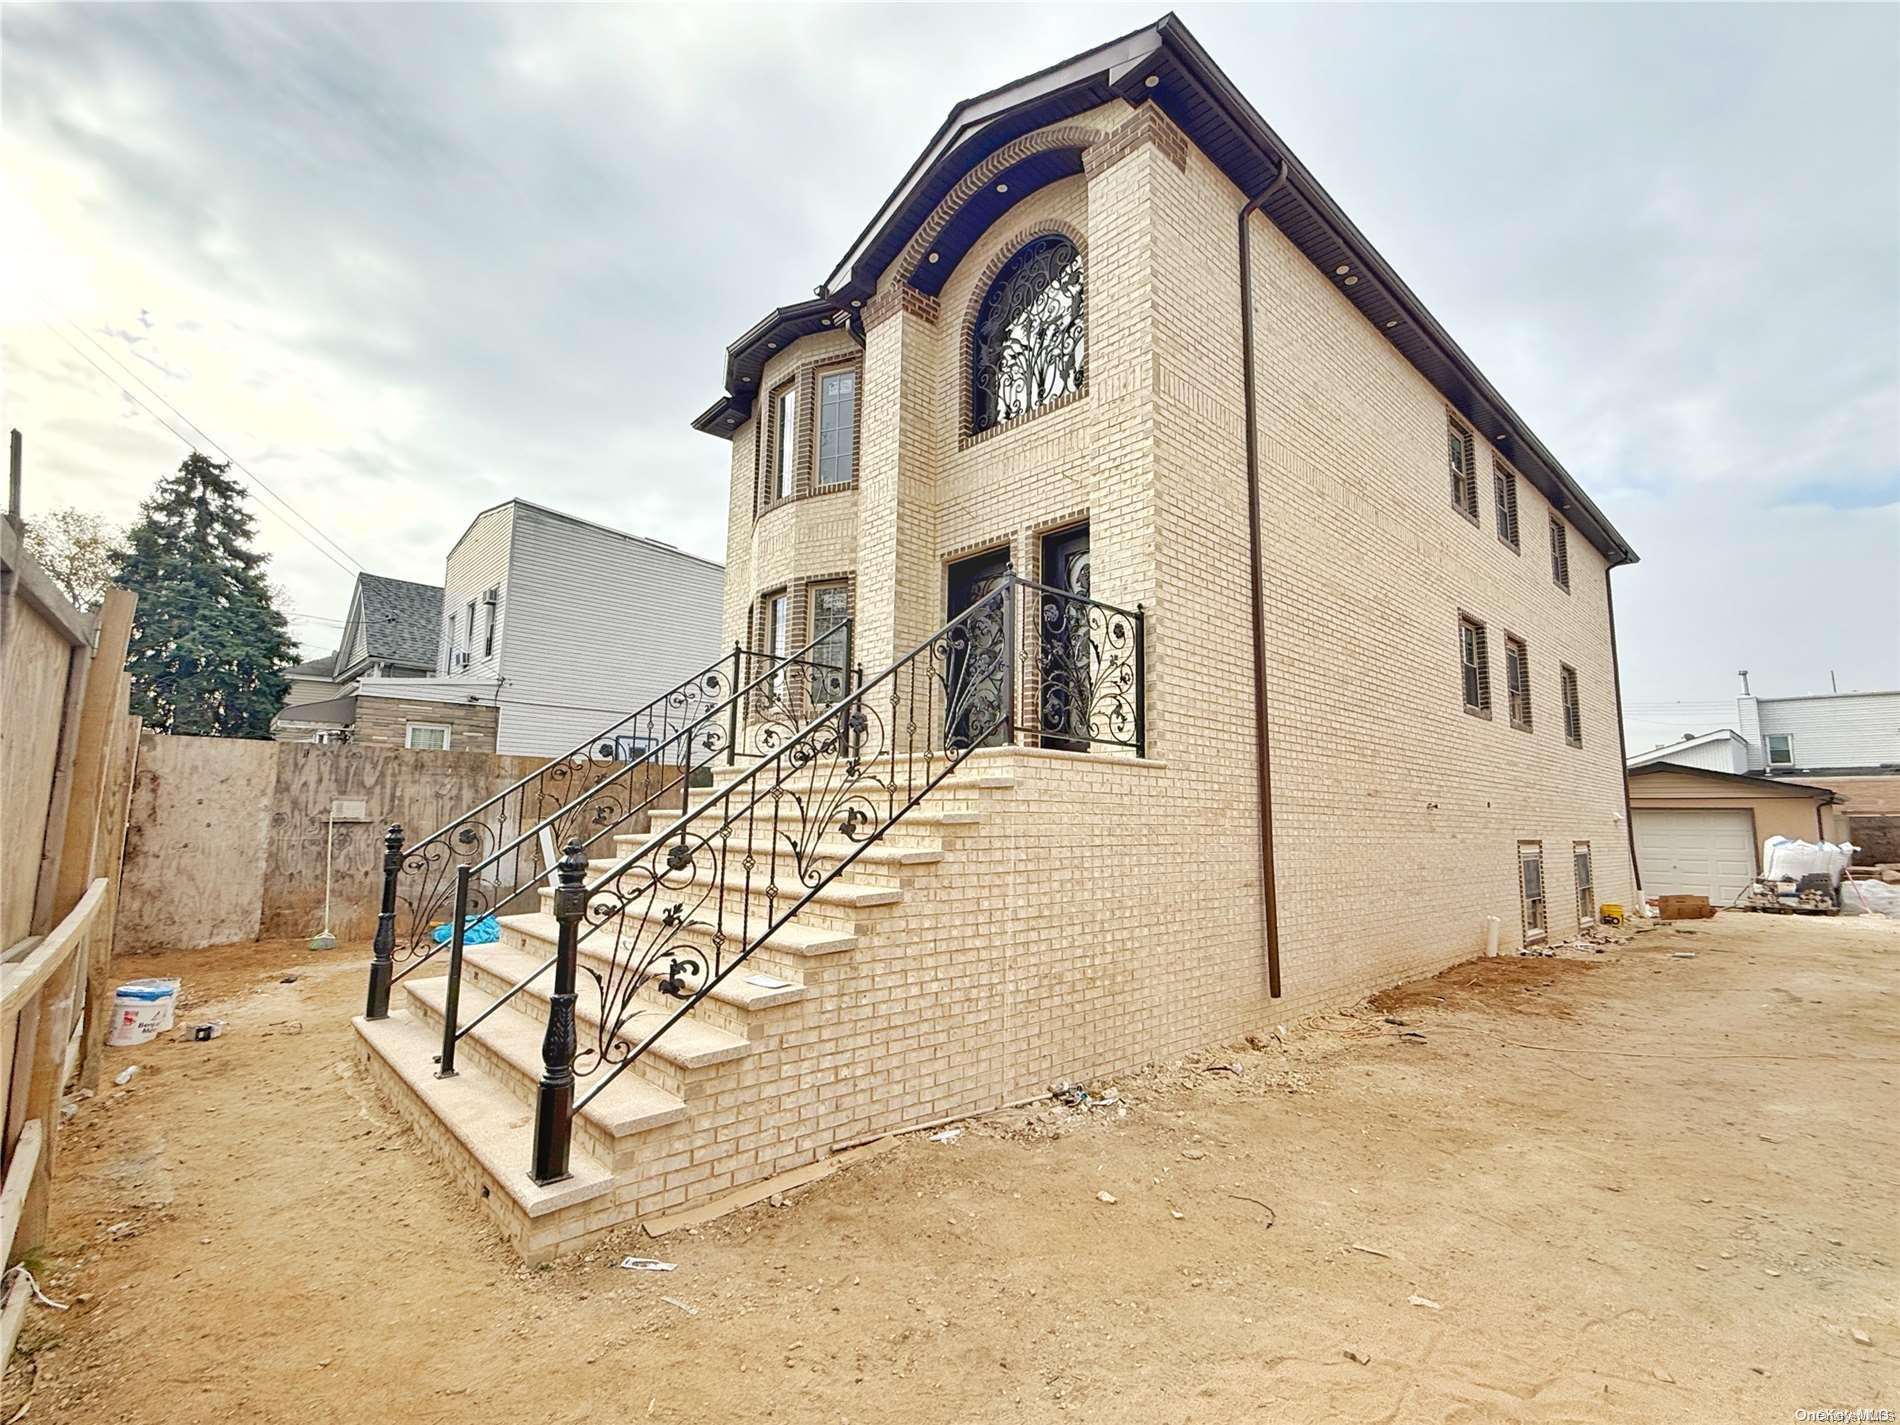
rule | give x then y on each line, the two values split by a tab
731	1094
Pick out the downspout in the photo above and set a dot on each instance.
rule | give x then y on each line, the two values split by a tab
1263	768
1622	752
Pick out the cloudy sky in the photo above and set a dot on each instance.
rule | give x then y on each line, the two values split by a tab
407	261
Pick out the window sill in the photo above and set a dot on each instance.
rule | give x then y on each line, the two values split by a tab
1467	514
1573	741
1511	544
1484	713
965	442
1520	726
804	495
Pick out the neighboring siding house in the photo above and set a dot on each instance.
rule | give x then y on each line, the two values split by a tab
552	628
389	632
1109	335
1833	760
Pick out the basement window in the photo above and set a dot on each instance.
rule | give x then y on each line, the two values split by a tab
1780	749
1530	881
1504	489
1474	665
1560	554
1517	681
1573	708
1464	470
1586	883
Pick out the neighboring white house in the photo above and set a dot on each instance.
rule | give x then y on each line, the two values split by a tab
561	626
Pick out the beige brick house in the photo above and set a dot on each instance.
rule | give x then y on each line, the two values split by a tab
1110	337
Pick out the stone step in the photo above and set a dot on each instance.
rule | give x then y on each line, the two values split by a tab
507	1048
792	941
763	840
733	1005
839	904
493	1127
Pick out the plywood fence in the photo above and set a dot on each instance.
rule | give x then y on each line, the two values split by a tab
66	745
227	837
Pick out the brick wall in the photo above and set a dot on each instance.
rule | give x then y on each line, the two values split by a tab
1397	814
381	722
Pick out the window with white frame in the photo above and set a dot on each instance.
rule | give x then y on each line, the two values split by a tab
1517	681
1530	880
426	736
784	439
1586	883
1474	661
1464	469
1573	705
1780	749
1504	490
837	427
492	602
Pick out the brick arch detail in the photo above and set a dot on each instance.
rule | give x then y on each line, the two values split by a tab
1075	136
966	345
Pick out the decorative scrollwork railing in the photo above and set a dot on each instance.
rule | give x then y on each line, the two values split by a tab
766	691
739	703
696	900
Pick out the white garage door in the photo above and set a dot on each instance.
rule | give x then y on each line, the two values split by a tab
1695	853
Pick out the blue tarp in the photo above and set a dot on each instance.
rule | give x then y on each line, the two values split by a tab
478	931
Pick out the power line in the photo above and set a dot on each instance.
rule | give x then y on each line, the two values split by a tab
184	439
249	473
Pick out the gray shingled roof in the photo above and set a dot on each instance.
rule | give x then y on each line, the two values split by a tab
401	621
323	667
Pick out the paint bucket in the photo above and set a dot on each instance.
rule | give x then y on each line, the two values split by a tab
142	1010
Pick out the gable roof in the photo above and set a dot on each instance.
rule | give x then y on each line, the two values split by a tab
1675	749
1768	785
401	621
518	503
324	667
1165	65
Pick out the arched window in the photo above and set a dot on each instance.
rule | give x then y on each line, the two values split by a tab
1030	343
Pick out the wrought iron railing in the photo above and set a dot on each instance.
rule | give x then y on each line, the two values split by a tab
495	853
1026	663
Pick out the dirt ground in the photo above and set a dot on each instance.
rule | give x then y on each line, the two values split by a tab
1619	1188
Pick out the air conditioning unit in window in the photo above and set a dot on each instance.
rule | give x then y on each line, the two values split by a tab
457	662
492	596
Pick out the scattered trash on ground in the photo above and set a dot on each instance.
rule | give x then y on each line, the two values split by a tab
1369	1251
949	1135
1682	954
1358	1358
687	1307
198	1033
125	1075
1426	1302
1106	1196
647	1264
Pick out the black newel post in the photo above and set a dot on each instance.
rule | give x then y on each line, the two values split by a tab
732	708
1141	681
383	948
554	1106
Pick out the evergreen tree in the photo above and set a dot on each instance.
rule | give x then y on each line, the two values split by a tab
209	647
